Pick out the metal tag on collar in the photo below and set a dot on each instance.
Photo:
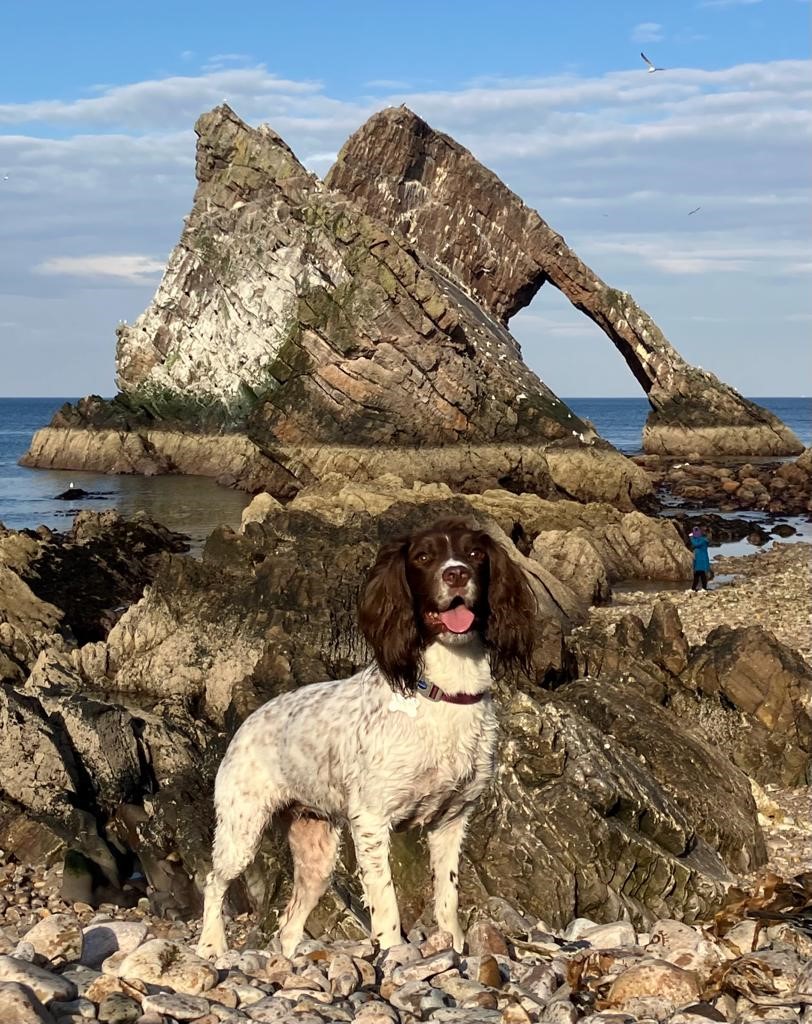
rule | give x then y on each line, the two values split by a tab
429	690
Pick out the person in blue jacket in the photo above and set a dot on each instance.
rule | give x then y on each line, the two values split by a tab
699	542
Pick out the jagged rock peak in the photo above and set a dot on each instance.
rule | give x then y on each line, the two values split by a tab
289	312
432	190
238	157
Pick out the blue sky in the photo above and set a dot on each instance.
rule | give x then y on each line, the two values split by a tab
97	103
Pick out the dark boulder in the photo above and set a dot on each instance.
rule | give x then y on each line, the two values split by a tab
72	494
753	696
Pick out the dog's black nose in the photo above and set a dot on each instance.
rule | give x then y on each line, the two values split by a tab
456	575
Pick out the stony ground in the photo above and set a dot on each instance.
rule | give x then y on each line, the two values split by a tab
771	588
63	964
66	963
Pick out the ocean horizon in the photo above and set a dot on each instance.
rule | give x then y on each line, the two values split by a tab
194	505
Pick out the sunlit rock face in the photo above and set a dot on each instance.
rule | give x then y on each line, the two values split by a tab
286	308
459	214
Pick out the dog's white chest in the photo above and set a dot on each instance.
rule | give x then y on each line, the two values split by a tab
443	757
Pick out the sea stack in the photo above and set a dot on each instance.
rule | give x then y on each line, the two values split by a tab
294	334
461	216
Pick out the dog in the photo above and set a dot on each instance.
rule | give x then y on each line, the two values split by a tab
408	741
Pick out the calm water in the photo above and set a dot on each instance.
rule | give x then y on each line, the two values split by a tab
194	505
621	420
191	505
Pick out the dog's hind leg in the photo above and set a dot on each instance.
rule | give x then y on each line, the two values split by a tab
314	848
240	824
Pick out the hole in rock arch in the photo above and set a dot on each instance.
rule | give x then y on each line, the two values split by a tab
574	358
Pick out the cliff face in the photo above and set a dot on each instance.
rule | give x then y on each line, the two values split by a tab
286	309
438	196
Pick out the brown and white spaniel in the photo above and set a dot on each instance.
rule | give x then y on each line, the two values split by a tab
410	740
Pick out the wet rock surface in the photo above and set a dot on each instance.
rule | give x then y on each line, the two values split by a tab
780	488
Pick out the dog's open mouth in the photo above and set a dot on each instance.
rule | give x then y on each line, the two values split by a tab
457	618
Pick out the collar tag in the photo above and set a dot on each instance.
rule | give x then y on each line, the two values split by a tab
429	690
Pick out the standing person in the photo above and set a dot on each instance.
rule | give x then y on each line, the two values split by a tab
699	542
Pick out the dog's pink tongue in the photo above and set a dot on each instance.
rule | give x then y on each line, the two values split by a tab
458	620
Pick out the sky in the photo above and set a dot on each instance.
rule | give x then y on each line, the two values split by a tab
98	101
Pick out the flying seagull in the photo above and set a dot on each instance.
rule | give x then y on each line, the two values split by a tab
696	210
651	67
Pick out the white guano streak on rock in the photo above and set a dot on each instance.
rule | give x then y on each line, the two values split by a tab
259	307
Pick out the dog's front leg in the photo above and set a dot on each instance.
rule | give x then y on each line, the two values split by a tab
370	836
445	843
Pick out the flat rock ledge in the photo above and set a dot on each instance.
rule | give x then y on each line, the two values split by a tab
563	469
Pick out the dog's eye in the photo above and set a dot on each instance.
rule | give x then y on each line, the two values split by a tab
421	557
476	554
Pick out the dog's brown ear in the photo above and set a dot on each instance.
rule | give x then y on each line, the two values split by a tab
387	619
512	611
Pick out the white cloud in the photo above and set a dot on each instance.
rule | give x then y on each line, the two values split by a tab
224	60
166	102
320	161
392	84
647	32
136	269
613	161
556	326
711	255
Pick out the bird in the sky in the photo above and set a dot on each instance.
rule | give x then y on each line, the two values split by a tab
651	67
695	210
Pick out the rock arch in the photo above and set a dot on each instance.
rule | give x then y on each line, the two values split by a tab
462	216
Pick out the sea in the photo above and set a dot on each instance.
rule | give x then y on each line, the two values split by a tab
195	505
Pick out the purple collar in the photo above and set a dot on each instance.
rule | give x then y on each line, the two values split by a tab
434	693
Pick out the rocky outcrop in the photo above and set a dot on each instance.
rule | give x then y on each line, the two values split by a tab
587	547
285	305
593	474
459	214
746	675
782	488
293	335
275	607
67	587
748	694
291	318
604	802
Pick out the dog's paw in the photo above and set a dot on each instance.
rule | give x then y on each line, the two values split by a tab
211	950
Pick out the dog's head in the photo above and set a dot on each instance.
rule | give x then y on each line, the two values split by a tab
448	584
